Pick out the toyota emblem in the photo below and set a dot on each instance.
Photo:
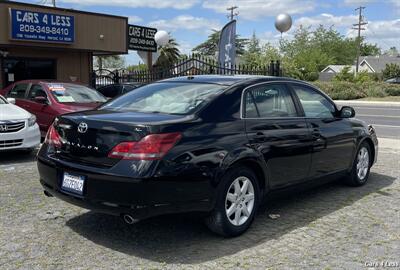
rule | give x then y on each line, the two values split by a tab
83	127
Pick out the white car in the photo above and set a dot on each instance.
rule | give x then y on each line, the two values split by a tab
18	128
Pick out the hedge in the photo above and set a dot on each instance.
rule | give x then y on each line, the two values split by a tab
348	90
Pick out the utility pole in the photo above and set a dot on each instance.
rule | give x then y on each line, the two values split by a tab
359	27
54	3
232	12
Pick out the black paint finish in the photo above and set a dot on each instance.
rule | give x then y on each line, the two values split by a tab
281	151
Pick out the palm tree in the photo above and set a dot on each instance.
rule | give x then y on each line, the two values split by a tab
169	54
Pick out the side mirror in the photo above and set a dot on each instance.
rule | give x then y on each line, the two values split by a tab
11	100
40	99
347	112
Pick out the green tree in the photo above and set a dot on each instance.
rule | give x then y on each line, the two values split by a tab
263	57
370	49
169	54
253	44
392	51
391	71
109	62
210	46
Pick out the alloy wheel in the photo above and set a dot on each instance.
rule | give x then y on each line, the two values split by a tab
362	163
239	202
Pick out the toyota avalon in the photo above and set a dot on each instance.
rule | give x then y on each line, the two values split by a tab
211	144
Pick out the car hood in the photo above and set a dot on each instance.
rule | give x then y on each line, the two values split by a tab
12	112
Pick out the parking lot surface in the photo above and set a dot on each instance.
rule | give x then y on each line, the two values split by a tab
329	227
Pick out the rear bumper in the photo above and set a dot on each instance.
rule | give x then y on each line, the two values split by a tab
117	195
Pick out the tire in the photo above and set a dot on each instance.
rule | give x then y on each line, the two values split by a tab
359	173
242	203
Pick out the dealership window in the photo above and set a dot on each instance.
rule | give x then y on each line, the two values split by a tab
18	69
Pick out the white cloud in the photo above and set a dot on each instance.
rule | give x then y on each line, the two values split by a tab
182	4
134	19
327	20
186	22
385	33
257	9
356	3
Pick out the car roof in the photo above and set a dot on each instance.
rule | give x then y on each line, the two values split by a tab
44	81
223	79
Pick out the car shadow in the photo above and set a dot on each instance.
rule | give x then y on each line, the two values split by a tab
17	156
184	239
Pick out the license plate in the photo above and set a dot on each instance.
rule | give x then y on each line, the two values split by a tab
73	183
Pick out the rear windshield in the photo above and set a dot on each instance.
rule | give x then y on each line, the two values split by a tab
168	98
68	93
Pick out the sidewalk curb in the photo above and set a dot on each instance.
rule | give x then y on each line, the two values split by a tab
365	102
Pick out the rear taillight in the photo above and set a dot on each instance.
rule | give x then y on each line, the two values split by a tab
53	138
151	147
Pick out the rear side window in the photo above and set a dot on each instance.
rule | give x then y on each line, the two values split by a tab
18	91
269	101
314	104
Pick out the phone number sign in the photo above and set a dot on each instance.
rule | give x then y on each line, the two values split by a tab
141	38
39	26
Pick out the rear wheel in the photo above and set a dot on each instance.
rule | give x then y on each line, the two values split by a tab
236	204
361	166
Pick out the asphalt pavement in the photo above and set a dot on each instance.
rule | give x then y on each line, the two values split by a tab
385	117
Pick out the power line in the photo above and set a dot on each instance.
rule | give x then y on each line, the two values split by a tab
232	12
359	27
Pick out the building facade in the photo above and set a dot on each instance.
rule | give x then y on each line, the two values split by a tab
38	42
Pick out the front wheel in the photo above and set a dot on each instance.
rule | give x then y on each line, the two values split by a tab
236	204
361	166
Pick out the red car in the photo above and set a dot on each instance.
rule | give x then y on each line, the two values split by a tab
47	99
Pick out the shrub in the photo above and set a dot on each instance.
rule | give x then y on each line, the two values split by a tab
391	71
348	90
393	90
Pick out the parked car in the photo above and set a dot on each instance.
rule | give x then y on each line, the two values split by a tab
393	80
213	144
47	99
113	90
18	128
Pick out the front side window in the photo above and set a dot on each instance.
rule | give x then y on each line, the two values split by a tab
74	93
314	104
36	91
269	101
167	97
18	91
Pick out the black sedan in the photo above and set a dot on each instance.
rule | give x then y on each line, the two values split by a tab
113	90
211	144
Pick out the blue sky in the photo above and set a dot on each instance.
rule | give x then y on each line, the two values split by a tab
191	21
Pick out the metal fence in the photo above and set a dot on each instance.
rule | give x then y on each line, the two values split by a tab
194	65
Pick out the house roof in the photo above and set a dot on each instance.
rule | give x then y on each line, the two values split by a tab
378	63
337	68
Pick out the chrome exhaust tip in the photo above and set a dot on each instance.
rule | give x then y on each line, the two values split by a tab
129	219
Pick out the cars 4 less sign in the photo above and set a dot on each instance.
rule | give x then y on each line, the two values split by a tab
39	26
